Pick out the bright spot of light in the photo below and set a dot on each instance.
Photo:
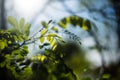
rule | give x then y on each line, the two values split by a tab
28	8
94	57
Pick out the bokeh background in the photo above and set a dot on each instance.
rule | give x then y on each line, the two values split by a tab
101	47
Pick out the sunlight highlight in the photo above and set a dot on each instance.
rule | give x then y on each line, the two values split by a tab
28	8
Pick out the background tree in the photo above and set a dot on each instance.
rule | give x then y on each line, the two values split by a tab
2	15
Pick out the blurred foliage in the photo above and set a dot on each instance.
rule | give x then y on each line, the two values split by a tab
61	60
75	21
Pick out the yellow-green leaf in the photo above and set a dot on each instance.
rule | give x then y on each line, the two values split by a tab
43	58
43	32
53	35
61	24
2	44
50	39
52	43
42	39
86	25
55	29
54	47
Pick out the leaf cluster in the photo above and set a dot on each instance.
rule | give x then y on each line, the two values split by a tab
47	66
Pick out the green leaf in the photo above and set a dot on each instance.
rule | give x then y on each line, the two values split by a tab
53	35
26	29
41	46
27	73
50	39
45	25
19	58
106	76
12	21
54	29
3	44
86	25
22	22
25	47
16	52
20	38
43	32
61	24
2	64
42	39
53	43
54	47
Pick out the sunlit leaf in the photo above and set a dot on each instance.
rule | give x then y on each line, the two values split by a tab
86	25
61	24
43	32
52	43
12	21
25	47
43	58
50	39
54	29
42	39
53	35
39	58
2	44
54	47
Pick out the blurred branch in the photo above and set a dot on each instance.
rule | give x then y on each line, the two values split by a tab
116	5
100	49
101	10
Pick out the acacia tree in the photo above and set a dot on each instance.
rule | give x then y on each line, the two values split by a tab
14	63
2	15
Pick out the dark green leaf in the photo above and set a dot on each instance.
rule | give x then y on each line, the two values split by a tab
26	29
45	25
